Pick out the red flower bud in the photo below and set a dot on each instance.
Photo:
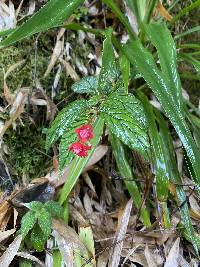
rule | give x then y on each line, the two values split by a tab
80	149
85	132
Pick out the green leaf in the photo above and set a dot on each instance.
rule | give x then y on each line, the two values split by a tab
53	14
27	222
54	208
86	85
164	43
176	178
125	118
45	222
34	205
78	164
65	119
109	71
144	61
38	238
126	171
86	237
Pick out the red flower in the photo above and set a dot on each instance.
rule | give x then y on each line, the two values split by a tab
80	149
85	132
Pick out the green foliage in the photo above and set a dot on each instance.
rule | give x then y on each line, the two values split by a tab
109	70
75	112
125	118
53	14
86	85
37	222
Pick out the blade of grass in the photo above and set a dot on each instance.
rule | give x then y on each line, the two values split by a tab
125	170
176	179
190	31
159	162
78	163
184	11
111	4
138	8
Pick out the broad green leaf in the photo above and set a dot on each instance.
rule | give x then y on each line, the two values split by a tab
54	208
86	85
53	14
164	43
65	119
126	172
78	164
27	222
143	60
125	118
69	137
45	222
176	179
34	205
109	71
38	238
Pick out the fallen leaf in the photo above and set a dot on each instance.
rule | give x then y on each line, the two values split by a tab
149	257
172	259
163	12
5	234
120	234
10	252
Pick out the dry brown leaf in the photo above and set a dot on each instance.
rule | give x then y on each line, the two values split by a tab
10	252
16	110
5	213
173	256
56	52
5	234
163	12
120	234
70	70
70	236
149	257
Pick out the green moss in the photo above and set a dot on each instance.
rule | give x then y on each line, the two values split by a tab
26	155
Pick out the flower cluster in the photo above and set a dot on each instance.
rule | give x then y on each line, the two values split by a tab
84	133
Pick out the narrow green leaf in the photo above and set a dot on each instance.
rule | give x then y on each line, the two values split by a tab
27	222
86	237
116	10
176	178
87	85
78	164
126	172
53	14
164	43
125	69
109	71
138	8
125	117
65	119
57	259
143	60
192	30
